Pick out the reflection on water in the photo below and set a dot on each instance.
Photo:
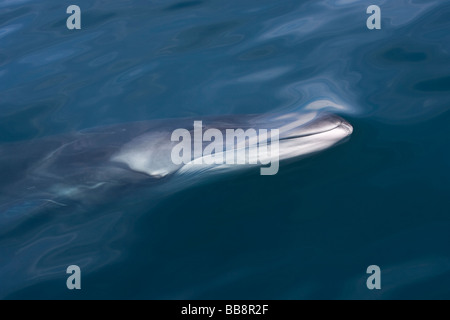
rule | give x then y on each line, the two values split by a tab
309	232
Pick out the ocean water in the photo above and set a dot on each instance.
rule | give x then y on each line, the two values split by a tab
309	232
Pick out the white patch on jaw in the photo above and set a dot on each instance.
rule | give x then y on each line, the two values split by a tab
149	154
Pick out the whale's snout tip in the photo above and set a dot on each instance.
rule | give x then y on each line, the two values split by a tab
347	127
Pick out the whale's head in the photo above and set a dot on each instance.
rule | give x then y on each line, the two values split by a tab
297	135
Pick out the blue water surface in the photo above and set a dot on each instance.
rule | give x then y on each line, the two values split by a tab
309	232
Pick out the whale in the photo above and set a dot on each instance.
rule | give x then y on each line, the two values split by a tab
87	166
67	197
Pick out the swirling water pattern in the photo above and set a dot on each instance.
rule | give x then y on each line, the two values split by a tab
309	232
